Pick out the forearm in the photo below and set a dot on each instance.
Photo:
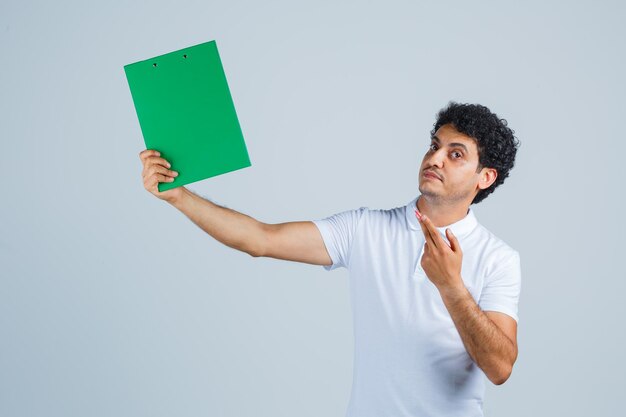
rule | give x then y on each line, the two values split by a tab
228	226
488	346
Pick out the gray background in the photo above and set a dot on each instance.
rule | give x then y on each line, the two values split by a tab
113	303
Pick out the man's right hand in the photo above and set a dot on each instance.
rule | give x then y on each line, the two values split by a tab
156	170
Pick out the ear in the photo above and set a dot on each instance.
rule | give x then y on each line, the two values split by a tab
487	177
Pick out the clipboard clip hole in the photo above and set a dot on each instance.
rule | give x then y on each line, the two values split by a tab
185	56
154	65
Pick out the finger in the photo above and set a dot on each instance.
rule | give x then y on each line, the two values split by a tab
454	243
157	169
434	233
155	161
148	152
152	183
152	160
427	231
427	234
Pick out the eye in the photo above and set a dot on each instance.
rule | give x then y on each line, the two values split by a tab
457	153
432	147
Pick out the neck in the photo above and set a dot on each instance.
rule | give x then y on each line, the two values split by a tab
441	214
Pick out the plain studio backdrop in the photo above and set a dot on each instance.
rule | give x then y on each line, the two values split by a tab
113	303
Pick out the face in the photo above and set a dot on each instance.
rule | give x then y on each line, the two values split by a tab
453	157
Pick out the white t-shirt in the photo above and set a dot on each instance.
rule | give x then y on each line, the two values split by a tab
409	359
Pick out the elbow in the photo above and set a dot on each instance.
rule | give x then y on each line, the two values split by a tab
257	247
255	253
499	381
502	377
252	250
504	370
257	250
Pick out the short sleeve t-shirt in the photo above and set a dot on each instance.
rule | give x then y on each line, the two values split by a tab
409	359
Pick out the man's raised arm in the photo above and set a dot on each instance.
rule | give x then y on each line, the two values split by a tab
294	241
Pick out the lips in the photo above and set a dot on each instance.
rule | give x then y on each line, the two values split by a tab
431	174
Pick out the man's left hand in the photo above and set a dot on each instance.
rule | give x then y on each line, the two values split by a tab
441	262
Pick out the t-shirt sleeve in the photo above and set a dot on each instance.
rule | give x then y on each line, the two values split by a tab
338	233
502	287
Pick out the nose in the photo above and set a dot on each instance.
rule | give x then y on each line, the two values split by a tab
436	158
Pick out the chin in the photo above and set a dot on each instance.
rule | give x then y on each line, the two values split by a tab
426	191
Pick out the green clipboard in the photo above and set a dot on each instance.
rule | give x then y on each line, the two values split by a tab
186	112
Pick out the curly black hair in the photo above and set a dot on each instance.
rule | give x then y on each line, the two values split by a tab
497	146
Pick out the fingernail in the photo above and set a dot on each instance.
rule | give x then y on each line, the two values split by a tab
169	165
175	173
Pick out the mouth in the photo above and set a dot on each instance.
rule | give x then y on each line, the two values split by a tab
431	175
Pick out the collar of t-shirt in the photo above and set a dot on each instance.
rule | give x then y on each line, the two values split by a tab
460	228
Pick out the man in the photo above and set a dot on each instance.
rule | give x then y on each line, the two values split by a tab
434	294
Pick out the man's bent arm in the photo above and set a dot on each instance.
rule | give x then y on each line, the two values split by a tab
492	350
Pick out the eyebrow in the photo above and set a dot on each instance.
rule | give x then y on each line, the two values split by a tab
436	139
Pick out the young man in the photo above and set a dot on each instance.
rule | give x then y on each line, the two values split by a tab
434	294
